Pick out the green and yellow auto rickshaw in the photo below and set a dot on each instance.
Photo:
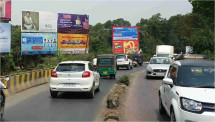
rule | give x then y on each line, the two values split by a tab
106	65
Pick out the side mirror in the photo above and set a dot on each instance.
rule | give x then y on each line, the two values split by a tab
147	62
168	81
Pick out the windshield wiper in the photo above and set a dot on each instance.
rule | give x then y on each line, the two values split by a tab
204	86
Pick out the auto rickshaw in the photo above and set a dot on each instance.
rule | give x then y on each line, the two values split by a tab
106	65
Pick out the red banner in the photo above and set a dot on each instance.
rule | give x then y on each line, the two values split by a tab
5	9
127	47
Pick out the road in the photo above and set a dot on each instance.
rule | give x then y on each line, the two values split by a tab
35	104
141	101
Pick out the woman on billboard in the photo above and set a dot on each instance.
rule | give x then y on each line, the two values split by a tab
28	22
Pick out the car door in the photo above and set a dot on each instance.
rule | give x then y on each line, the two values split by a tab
168	88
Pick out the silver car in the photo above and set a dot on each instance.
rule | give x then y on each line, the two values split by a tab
157	67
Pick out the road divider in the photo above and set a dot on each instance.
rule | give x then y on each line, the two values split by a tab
20	82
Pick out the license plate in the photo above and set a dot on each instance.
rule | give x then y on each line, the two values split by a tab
69	85
160	74
105	72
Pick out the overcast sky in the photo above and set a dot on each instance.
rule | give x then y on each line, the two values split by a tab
104	10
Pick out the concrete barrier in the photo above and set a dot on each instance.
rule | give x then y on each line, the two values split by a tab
20	82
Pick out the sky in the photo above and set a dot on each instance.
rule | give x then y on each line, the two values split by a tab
104	10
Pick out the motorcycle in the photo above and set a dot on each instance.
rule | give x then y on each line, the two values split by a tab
2	99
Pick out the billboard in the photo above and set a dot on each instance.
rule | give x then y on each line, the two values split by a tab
127	47
38	43
125	33
73	23
33	21
5	10
5	37
73	43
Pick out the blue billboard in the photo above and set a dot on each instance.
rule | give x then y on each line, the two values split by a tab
125	33
5	37
38	43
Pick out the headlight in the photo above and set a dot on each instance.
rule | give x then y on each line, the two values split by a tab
191	105
149	68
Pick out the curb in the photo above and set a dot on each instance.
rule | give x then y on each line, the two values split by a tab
22	81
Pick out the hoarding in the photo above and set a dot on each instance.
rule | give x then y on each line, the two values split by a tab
33	21
73	23
125	33
38	43
5	37
5	10
127	47
73	43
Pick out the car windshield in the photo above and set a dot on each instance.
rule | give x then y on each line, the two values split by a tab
75	67
105	61
159	61
197	77
121	57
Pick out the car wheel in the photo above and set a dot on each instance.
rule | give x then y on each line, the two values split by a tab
117	68
131	66
148	77
2	112
92	92
53	94
128	67
172	116
161	107
98	89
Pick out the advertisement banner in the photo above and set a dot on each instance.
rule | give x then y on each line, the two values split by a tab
127	47
38	43
73	43
125	33
5	10
33	21
73	23
5	37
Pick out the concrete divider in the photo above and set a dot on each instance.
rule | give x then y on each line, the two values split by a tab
20	82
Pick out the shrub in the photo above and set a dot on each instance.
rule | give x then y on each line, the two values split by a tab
124	80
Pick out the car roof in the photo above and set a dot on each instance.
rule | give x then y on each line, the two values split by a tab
195	62
159	57
81	62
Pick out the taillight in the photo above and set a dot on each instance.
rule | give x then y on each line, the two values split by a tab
126	59
54	74
86	74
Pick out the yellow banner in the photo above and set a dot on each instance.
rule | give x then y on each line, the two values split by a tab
68	41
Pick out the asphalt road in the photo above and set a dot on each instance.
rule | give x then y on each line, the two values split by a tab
142	101
35	104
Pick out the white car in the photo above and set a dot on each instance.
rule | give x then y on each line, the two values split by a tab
124	61
157	67
188	91
74	76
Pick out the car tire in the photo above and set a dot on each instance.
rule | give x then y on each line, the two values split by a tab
2	113
172	116
128	67
92	92
161	107
117	68
98	89
131	66
54	94
148	77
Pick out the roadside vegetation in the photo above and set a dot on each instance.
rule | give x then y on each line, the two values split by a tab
194	29
124	80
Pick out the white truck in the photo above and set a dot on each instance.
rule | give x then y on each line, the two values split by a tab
164	51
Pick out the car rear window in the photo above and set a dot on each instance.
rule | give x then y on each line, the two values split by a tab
75	67
121	57
105	61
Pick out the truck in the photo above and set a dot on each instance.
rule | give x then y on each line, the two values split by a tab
164	51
